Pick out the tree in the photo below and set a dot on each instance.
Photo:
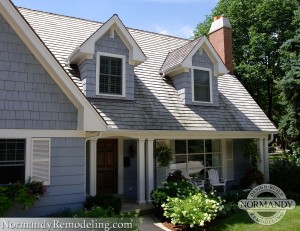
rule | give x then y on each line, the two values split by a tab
259	29
290	85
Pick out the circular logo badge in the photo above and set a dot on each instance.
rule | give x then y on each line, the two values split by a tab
266	204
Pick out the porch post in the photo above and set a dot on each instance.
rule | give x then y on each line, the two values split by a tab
266	159
93	167
141	172
150	169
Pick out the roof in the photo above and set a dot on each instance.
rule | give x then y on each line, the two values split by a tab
157	104
177	56
181	58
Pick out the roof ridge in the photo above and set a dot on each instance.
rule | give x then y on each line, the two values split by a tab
94	21
186	44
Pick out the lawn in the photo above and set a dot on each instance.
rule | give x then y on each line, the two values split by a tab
241	221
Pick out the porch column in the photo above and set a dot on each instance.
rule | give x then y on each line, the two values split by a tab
150	169
141	172
266	159
93	167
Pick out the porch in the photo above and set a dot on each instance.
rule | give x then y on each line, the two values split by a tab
125	165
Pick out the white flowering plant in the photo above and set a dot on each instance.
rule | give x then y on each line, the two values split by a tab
179	189
193	211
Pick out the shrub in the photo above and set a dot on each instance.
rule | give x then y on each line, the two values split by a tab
158	197
104	201
180	189
229	209
66	212
193	211
235	197
285	174
96	212
251	176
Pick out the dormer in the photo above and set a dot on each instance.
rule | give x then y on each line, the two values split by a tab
180	60
114	24
194	69
106	61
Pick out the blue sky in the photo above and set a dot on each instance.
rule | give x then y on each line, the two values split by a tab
173	17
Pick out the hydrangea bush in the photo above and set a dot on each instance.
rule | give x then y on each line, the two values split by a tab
194	210
179	189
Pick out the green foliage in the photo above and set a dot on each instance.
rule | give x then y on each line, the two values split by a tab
235	197
251	152
194	210
97	212
158	197
5	200
104	201
66	212
258	32
164	155
25	194
229	209
251	176
179	189
290	85
285	174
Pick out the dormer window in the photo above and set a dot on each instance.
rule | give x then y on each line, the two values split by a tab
110	74
201	85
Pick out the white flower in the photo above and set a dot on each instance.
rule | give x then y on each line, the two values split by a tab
202	223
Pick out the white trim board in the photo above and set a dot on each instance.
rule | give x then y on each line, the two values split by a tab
27	133
158	134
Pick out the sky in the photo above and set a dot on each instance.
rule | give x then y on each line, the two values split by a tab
173	17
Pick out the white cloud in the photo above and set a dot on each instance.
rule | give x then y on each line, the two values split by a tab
183	32
161	30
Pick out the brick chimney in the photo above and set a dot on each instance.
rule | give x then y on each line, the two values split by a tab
220	36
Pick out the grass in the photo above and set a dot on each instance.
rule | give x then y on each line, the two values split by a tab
241	221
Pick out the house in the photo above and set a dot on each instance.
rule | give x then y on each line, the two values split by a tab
84	104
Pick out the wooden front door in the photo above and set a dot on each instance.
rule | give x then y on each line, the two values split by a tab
107	166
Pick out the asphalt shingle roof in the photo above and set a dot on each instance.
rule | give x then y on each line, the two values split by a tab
178	56
157	104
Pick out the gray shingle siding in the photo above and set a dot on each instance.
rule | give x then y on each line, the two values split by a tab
183	81
183	84
202	60
67	188
29	98
88	67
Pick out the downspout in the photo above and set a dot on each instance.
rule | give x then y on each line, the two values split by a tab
271	138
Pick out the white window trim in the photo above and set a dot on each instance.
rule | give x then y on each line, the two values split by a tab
123	57
210	85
